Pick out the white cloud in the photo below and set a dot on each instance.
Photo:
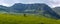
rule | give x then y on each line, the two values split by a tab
4	4
54	3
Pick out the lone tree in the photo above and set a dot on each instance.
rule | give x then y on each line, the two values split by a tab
24	15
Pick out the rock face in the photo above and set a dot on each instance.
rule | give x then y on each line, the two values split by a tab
32	8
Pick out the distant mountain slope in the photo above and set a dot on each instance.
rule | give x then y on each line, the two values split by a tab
36	8
3	8
57	10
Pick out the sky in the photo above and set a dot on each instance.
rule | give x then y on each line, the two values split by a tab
51	3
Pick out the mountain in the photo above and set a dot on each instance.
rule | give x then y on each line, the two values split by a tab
57	10
36	8
3	8
26	8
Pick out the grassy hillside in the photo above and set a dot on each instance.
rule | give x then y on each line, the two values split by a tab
29	19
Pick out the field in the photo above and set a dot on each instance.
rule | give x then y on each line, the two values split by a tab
29	19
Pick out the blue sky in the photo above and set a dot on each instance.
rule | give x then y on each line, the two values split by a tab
51	3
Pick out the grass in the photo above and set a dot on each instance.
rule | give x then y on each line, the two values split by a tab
30	19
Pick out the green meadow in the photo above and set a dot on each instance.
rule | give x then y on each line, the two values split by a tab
29	19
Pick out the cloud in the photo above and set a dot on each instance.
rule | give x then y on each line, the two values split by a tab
6	2
54	3
51	3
